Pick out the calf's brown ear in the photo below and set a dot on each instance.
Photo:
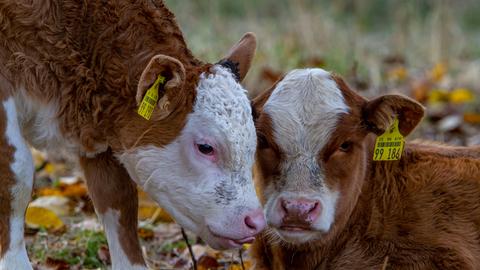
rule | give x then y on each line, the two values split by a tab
240	56
380	113
174	73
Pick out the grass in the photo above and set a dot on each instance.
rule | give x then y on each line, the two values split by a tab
76	248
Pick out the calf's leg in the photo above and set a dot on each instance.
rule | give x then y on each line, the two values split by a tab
114	196
16	180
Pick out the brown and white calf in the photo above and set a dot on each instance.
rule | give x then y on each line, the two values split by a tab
330	206
72	76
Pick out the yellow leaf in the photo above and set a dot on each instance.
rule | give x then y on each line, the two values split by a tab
438	72
37	217
461	95
246	263
48	191
148	209
145	234
49	168
438	96
60	205
398	73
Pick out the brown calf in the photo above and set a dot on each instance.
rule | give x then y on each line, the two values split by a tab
73	75
330	206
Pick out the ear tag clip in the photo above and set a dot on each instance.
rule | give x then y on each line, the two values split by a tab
389	145
150	99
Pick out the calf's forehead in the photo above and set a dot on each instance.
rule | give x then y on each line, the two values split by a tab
223	109
304	109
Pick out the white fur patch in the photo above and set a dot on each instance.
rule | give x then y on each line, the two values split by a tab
119	259
304	107
202	195
38	122
22	167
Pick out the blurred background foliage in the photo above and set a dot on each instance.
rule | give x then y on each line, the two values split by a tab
340	32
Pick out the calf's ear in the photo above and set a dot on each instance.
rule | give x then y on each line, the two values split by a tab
173	73
380	113
240	56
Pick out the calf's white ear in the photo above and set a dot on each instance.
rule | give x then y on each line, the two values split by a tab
173	73
240	56
380	113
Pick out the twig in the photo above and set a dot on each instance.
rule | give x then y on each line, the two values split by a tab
190	249
385	263
240	251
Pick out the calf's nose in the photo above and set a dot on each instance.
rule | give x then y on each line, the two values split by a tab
301	209
255	221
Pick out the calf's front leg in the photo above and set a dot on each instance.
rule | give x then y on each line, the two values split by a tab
16	180
114	196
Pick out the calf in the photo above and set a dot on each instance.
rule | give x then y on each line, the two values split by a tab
113	82
330	206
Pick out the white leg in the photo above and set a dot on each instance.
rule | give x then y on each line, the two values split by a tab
17	180
114	196
120	261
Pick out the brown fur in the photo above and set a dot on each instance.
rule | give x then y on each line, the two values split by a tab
421	212
7	179
88	57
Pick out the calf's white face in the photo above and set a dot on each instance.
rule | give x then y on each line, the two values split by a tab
315	138
204	177
302	120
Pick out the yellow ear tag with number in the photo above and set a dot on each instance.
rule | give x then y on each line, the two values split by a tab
389	145
150	99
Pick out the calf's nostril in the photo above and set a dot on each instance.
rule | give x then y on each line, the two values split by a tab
313	207
249	222
255	221
284	205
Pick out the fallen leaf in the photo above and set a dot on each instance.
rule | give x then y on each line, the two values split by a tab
438	72
461	95
472	118
438	96
75	190
103	254
37	217
145	233
148	209
57	264
48	191
58	204
398	73
207	262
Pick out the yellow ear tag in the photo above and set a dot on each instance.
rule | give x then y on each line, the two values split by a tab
150	99
389	145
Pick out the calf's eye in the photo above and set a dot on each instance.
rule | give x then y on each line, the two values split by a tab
346	146
205	149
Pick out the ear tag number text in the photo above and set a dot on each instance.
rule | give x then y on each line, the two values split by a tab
389	145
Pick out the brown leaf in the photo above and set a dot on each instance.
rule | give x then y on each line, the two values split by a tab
145	234
207	262
57	264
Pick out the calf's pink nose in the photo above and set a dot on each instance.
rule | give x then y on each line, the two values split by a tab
255	221
301	208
